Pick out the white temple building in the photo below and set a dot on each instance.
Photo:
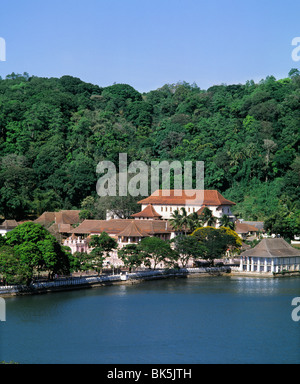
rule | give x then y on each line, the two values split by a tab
165	202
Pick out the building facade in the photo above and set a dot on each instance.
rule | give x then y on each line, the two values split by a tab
124	231
152	220
165	202
271	255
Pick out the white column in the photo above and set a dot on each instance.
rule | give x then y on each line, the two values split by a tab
266	267
258	264
241	264
252	264
248	264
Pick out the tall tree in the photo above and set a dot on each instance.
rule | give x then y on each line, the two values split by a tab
156	251
207	217
132	256
37	250
226	222
215	241
102	245
188	249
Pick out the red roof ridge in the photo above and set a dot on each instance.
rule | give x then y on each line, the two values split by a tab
149	211
132	230
177	196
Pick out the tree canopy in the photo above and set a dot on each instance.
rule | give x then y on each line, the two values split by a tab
54	131
29	249
216	241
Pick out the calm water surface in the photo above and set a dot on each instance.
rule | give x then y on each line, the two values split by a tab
194	320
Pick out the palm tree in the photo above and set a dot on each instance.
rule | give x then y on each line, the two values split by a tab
226	222
208	218
175	221
194	221
184	222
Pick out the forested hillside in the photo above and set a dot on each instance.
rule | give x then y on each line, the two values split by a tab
55	131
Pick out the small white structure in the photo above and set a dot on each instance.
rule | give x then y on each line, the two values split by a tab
270	256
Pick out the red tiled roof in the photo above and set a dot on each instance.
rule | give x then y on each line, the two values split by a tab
117	226
149	211
186	197
46	217
8	224
67	217
245	228
64	228
200	210
133	230
61	217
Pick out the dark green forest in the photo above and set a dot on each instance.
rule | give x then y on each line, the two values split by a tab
54	131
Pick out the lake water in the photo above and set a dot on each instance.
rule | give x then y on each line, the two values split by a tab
194	320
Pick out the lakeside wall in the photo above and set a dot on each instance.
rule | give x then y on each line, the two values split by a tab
96	281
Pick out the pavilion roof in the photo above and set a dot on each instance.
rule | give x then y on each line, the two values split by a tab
270	247
9	224
133	230
149	211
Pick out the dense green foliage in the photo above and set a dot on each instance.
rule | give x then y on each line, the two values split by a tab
216	241
29	250
102	245
53	132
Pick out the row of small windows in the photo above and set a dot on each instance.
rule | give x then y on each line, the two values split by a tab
189	209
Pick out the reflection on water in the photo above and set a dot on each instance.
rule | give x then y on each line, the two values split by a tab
194	320
260	286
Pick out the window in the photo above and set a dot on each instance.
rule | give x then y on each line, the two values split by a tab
162	208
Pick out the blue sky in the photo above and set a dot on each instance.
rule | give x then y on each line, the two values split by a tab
149	43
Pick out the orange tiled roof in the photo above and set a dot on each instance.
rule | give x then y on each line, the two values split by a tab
117	226
46	217
185	197
200	210
245	228
67	217
133	230
149	211
61	217
8	224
